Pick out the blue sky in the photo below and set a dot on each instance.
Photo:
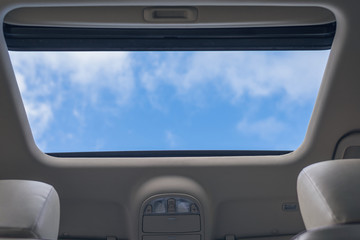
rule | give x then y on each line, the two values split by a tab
115	101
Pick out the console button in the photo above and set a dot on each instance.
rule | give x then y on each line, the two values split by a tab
148	209
193	208
171	205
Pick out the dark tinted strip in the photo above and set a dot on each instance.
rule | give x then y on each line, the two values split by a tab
175	153
29	38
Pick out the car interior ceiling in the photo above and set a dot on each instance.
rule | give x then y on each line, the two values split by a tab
309	192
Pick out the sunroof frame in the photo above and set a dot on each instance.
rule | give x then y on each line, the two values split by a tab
34	38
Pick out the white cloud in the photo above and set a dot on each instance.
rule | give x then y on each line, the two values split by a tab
45	79
94	71
88	71
170	139
40	115
258	74
21	82
266	129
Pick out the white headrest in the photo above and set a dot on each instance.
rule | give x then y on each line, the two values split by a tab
338	232
28	209
329	193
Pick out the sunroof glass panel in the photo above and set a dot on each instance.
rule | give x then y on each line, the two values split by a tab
167	100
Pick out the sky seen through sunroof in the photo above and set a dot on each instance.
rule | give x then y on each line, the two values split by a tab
117	101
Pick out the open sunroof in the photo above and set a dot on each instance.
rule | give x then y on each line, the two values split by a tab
217	72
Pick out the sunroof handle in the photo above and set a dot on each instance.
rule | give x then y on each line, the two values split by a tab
170	15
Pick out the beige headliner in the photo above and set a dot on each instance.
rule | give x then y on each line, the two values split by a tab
240	195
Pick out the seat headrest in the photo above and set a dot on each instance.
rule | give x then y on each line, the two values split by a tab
338	232
28	209
329	193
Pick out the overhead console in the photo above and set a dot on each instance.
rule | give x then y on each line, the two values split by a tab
171	216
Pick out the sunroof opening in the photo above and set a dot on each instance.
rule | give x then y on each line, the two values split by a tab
120	92
168	100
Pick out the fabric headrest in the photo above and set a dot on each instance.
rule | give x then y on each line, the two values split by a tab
28	209
329	193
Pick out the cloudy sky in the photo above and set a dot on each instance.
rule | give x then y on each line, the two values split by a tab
115	101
